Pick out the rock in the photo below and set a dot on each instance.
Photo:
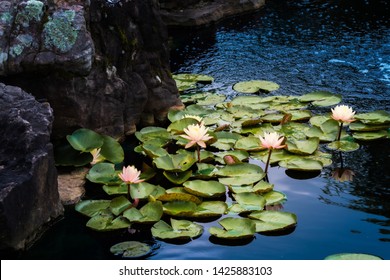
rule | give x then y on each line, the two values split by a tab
71	185
28	178
202	12
101	65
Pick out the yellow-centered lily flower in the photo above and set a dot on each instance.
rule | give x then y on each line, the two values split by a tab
343	113
272	141
197	134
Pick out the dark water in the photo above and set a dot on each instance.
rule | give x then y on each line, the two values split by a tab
338	46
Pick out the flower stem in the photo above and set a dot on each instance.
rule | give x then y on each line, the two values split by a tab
268	159
198	152
128	192
340	129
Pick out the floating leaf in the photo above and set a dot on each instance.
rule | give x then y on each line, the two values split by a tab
177	127
274	197
212	99
240	155
374	118
240	174
361	127
180	208
254	86
119	204
112	150
209	209
144	190
179	194
92	208
85	140
200	78
104	222
250	201
303	164
103	173
175	163
260	188
149	213
131	249
250	144
367	136
178	178
303	147
206	189
273	118
269	221
352	256
276	156
344	146
152	132
234	228
180	229
321	98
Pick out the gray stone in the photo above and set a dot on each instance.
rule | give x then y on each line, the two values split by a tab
29	196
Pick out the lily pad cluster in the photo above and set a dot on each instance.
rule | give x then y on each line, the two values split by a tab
222	181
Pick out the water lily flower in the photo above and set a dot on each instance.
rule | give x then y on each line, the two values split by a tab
97	157
197	134
343	174
271	141
342	114
130	175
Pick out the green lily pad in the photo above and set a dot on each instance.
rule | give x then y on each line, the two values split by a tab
254	86
212	99
178	178
303	147
250	201
273	118
149	213
179	229
270	221
144	190
234	228
152	132
177	127
274	197
112	150
344	146
248	100
240	155
179	194
204	171
206	189
259	188
131	249
225	140
374	118
106	222
303	164
103	173
352	256
85	140
119	204
209	209
200	78
152	150
321	98
276	156
180	208
92	208
325	131
240	174
175	163
250	144
66	155
198	110
362	127
368	136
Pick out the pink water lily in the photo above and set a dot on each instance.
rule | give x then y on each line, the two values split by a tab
272	140
130	175
197	134
343	113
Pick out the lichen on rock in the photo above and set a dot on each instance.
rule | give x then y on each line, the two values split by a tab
28	11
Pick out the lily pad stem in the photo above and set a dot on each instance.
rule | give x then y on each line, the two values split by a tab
268	159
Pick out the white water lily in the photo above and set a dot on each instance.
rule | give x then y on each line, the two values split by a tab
272	140
197	134
97	157
343	113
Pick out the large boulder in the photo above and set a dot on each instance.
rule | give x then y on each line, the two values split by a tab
29	196
102	65
179	13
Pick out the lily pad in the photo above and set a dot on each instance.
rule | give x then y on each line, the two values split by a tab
144	190
250	201
206	189
240	174
149	213
270	221
204	171
344	146
103	173
250	144
180	208
321	98
177	127
200	78
178	178
209	209
352	256
105	222
85	140
362	127
274	197
175	163
259	188
112	150
131	249
92	208
303	164
368	136
119	204
374	118
303	147
234	228
179	194
254	86
179	229
152	132
241	155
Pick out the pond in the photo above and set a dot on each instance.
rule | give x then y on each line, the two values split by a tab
304	46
